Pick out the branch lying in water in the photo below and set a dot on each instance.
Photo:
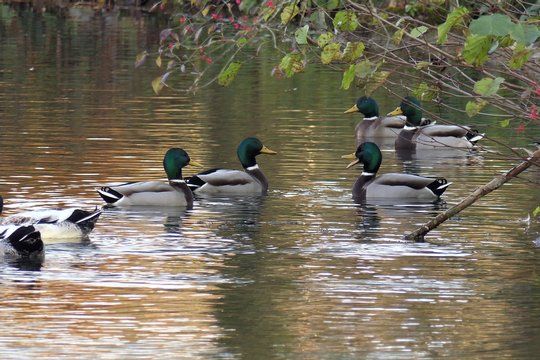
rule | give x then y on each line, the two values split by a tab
418	234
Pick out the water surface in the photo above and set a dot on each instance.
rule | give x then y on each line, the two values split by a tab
303	273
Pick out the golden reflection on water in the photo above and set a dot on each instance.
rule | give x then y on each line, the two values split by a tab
301	273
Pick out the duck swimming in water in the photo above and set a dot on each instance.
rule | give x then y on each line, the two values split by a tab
235	182
415	136
175	192
395	186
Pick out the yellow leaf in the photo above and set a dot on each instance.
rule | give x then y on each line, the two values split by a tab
205	11
157	85
376	81
158	61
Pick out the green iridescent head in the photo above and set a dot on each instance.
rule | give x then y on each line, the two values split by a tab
249	148
368	154
412	109
173	162
365	105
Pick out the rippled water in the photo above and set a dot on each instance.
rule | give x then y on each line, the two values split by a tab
303	273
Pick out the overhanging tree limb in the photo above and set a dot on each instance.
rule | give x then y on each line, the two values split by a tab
418	234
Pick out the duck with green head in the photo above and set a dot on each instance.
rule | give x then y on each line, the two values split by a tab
235	182
415	136
374	126
174	192
395	186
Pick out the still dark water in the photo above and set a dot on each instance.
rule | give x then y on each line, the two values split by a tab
302	273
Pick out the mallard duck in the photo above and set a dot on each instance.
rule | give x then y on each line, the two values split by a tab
20	241
414	135
235	182
392	185
374	126
55	224
175	192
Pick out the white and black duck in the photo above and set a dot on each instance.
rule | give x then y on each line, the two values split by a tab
394	186
55	225
415	136
174	192
20	241
220	181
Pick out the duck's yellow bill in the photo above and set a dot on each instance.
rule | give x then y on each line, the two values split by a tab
353	163
194	163
267	151
352	110
351	157
396	112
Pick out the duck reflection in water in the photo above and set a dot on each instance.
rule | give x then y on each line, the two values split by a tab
236	217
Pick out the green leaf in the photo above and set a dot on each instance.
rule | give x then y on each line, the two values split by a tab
301	35
473	107
241	42
353	50
506	41
496	24
324	39
488	86
348	77
226	77
425	93
345	21
330	53
418	31
475	51
452	19
292	63
365	69
525	33
288	13
519	57
398	35
376	81
536	212
422	65
505	123
332	4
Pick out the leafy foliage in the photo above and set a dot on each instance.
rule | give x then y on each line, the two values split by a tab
502	25
490	57
476	49
226	77
488	86
425	93
292	63
348	78
456	16
324	39
419	31
496	24
520	56
345	21
353	51
474	107
288	13
331	52
301	35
